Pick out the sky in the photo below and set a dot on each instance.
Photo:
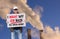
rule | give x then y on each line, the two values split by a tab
51	11
50	16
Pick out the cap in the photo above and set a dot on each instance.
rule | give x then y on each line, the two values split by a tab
15	7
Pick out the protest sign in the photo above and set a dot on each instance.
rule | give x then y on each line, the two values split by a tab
16	20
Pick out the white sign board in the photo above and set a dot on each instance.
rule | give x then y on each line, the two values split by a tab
16	20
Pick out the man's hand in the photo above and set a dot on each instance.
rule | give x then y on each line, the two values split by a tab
11	29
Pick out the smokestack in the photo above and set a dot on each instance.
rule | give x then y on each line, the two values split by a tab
41	31
29	33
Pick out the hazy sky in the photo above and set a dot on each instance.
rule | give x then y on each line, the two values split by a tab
51	11
50	15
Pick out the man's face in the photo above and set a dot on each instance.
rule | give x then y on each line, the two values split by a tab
15	11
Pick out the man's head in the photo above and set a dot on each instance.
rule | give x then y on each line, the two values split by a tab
15	7
15	10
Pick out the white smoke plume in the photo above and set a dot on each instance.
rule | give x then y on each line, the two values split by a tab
32	17
49	33
38	9
35	34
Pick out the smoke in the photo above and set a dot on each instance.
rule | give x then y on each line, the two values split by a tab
38	9
32	17
49	33
24	1
6	5
35	34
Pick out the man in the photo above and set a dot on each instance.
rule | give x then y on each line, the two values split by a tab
15	29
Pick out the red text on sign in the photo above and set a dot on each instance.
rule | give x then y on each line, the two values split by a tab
15	16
